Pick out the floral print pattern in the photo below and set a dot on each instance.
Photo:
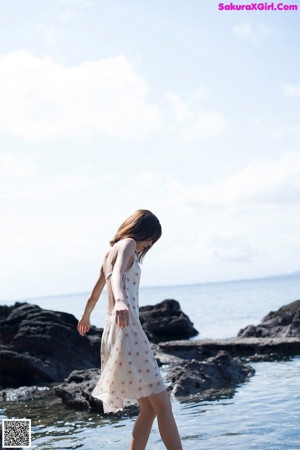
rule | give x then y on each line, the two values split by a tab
128	368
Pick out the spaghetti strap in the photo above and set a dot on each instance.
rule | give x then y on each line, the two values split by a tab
108	264
128	368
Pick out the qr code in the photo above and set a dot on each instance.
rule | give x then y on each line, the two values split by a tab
16	433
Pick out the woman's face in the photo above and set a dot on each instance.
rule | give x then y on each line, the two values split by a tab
141	245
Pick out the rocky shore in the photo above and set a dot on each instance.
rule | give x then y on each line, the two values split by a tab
41	353
252	349
284	323
42	346
166	321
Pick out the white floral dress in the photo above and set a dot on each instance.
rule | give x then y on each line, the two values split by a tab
128	368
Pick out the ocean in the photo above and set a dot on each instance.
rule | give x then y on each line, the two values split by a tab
262	413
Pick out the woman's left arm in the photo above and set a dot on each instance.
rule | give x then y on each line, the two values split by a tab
126	251
84	323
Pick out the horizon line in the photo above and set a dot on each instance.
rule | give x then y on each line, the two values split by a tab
290	274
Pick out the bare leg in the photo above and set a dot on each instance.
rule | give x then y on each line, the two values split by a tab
166	423
143	425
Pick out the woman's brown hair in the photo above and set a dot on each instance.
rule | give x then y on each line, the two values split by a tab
142	225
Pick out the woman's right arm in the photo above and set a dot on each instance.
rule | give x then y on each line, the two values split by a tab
84	323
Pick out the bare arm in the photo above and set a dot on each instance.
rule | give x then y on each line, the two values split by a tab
84	323
125	256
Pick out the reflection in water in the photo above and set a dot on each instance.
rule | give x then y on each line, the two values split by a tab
250	416
55	425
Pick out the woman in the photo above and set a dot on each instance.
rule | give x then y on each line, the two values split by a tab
128	368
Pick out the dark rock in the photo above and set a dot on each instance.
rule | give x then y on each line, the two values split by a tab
207	377
38	346
76	391
250	348
283	323
77	388
25	393
43	346
6	310
165	322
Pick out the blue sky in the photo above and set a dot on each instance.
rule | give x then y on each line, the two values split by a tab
173	106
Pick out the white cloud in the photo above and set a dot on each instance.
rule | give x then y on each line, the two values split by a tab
292	90
192	121
45	238
261	182
204	124
15	166
246	32
41	99
179	107
49	187
229	245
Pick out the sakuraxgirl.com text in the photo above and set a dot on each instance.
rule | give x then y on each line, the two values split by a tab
257	7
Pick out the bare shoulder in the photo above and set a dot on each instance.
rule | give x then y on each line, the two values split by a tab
127	244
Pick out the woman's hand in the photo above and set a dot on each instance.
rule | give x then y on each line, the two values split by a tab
122	314
83	326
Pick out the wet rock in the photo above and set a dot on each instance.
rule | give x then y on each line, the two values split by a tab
209	377
25	393
250	348
43	346
285	322
165	321
76	391
77	388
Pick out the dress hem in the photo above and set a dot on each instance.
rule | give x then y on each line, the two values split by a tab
126	401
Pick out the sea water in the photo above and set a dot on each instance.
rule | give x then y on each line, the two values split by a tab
262	413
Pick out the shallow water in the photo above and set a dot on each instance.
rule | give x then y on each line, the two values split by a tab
263	413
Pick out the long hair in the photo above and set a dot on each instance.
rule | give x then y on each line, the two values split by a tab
142	225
